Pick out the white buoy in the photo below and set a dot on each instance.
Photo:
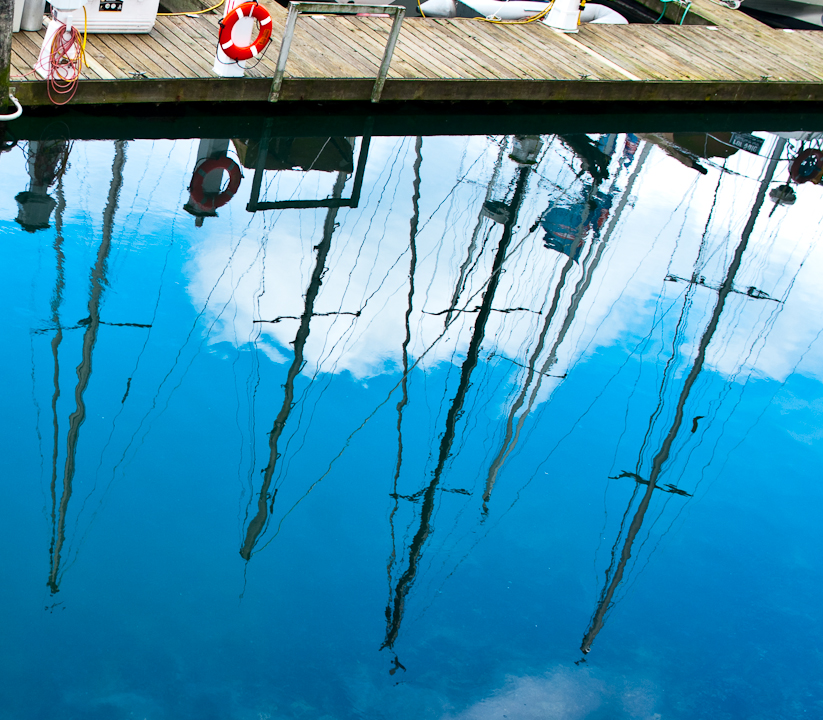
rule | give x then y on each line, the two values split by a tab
600	14
438	8
565	15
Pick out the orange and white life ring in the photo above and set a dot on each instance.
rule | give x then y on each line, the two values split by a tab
205	202
239	52
807	166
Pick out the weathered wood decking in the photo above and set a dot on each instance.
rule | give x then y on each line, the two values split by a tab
335	58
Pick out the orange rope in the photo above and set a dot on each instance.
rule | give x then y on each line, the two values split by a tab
65	64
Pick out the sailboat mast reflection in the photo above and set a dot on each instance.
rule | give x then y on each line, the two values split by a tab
265	500
396	607
572	248
404	381
84	369
594	213
662	455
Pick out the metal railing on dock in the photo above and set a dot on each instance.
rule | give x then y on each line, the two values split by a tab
325	8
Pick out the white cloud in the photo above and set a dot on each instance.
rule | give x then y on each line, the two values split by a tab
566	694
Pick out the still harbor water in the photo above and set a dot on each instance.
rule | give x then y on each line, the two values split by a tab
461	428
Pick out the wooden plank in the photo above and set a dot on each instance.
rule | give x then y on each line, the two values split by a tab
407	55
481	37
100	55
161	63
503	64
338	54
733	50
406	63
118	56
699	67
21	66
404	54
303	61
647	59
374	47
548	49
29	44
544	39
27	55
180	43
794	49
448	58
770	64
156	47
440	40
139	60
713	60
437	60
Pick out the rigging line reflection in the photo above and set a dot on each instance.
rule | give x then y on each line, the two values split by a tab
721	401
663	453
201	313
404	382
507	444
317	388
395	610
422	356
583	284
461	278
264	502
678	339
84	369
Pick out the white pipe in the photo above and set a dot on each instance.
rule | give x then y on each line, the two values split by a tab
17	113
518	10
594	13
512	10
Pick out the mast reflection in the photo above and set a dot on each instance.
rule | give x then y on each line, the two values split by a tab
84	369
566	229
404	381
607	594
265	499
396	606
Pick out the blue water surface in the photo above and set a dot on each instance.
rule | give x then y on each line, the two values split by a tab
512	437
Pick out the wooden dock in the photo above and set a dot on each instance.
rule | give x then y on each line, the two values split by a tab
718	56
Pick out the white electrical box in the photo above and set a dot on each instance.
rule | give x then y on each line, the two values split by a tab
117	16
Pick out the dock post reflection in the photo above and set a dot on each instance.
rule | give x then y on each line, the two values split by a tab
607	594
46	162
396	607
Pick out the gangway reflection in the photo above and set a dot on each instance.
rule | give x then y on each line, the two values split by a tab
326	154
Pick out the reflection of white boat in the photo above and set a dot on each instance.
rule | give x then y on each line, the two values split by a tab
516	10
787	13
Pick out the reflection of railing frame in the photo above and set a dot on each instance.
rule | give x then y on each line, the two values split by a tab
254	199
326	8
